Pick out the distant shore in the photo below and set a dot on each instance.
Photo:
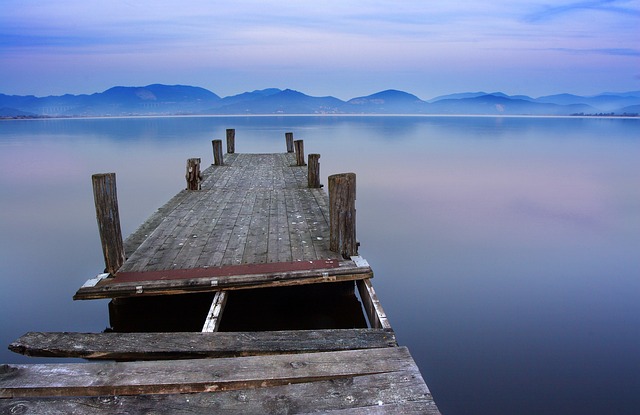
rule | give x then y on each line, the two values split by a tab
71	117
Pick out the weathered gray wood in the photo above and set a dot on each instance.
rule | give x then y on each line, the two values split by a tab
278	246
212	322
256	245
193	175
231	140
197	375
375	314
314	171
289	139
342	214
153	346
187	228
302	243
115	289
105	196
217	152
299	146
160	241
134	240
399	393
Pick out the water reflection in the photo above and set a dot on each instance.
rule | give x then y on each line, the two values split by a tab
505	249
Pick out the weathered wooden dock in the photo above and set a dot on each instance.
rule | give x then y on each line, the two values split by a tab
244	293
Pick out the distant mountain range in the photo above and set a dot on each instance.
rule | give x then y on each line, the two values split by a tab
159	99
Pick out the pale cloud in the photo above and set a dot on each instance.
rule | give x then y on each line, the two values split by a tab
619	7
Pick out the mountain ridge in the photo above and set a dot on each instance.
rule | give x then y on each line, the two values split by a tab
159	99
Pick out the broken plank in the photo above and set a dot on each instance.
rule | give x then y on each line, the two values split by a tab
212	322
197	375
375	313
148	346
113	288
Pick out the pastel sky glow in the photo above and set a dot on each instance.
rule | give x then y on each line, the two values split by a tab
340	48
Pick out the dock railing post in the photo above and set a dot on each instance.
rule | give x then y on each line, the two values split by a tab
289	139
313	171
105	196
299	145
217	152
342	214
193	175
231	140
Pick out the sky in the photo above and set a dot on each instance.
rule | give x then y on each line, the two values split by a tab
341	48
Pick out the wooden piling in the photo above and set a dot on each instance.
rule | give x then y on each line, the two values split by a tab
289	138
193	175
217	152
106	200
313	172
231	140
299	146
342	214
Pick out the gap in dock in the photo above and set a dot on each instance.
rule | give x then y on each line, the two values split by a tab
304	307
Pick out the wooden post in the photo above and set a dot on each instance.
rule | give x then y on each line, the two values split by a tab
193	175
313	171
231	140
289	138
105	197
342	214
299	145
217	152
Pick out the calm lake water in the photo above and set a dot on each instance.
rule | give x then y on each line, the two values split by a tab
506	250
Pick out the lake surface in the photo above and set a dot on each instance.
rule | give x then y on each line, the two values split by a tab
505	249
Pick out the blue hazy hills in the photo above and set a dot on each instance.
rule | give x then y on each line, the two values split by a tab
160	99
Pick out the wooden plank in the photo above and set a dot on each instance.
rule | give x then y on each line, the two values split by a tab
320	266
375	313
237	242
257	242
212	322
298	231
346	272
151	346
390	393
279	246
197	375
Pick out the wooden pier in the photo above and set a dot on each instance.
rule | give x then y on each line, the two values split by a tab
244	293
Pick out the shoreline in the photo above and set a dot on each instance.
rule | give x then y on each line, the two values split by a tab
581	116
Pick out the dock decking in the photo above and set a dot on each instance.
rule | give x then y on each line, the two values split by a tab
261	226
254	232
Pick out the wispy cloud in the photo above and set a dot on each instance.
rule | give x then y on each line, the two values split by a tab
608	6
602	51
